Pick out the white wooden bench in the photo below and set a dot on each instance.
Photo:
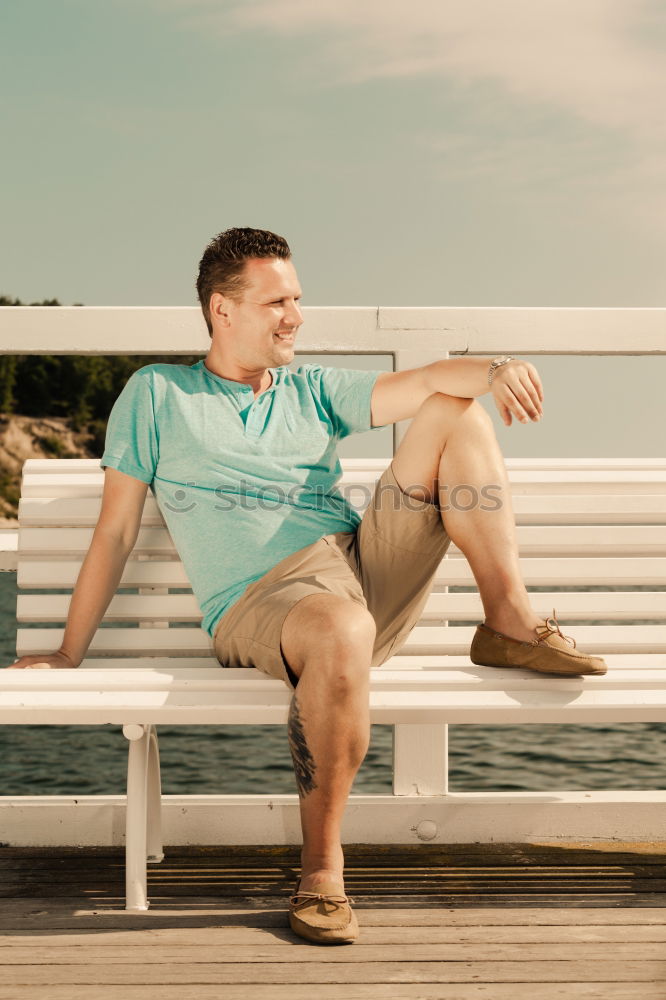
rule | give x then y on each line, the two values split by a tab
581	523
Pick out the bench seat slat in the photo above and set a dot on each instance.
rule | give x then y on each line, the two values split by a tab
621	664
395	674
616	605
415	663
584	705
424	639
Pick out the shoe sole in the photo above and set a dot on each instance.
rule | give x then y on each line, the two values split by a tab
536	670
320	935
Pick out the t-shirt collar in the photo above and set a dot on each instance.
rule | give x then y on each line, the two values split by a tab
232	385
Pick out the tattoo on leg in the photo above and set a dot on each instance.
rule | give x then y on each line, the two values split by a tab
304	765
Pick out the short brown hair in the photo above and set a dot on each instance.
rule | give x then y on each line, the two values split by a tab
221	267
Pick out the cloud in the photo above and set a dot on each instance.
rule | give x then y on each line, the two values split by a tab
591	58
595	65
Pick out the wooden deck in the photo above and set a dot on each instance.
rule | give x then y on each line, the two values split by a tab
504	922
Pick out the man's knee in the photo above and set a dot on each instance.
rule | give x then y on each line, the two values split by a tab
329	630
439	403
443	414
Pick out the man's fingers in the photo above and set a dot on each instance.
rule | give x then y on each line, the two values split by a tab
521	401
530	399
514	405
505	413
536	388
536	379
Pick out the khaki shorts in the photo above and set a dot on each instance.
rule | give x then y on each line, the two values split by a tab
386	565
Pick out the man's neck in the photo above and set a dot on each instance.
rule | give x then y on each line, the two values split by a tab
259	383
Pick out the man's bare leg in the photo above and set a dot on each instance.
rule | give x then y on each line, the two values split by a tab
327	642
451	441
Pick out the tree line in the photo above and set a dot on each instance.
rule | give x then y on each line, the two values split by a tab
82	388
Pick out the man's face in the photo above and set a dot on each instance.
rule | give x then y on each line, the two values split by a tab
264	323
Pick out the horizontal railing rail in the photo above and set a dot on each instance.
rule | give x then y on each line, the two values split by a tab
344	329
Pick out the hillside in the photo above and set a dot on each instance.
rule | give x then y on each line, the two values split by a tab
24	437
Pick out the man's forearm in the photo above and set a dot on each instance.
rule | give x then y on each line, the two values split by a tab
465	377
97	582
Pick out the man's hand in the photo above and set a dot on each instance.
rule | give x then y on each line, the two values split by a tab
50	661
517	390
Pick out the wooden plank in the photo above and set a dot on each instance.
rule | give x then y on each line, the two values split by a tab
362	859
251	935
76	914
362	991
223	953
413	873
342	971
443	883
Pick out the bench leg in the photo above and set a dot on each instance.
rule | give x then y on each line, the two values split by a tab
154	833
142	794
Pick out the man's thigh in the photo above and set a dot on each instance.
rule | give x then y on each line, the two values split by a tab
249	634
395	553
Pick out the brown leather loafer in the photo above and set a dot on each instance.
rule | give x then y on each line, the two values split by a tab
323	915
550	652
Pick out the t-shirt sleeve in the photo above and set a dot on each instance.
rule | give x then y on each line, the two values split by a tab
131	444
345	394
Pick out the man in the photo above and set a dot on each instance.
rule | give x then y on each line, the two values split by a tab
240	452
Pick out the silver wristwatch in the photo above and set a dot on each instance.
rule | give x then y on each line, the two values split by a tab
495	364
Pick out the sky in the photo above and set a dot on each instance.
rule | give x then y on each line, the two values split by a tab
430	153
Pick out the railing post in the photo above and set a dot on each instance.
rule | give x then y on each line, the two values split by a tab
420	759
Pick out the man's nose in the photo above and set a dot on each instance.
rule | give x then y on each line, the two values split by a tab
295	315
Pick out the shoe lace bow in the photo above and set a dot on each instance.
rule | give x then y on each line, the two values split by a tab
551	626
322	896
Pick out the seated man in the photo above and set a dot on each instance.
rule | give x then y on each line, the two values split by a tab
240	453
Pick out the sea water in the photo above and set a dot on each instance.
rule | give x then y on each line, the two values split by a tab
90	760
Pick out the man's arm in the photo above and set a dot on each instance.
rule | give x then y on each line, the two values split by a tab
398	395
113	540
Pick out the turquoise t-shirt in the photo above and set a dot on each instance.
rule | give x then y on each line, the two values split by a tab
241	482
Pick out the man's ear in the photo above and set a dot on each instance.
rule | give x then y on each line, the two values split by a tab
220	309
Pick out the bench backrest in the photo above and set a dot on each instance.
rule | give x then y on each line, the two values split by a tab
591	534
